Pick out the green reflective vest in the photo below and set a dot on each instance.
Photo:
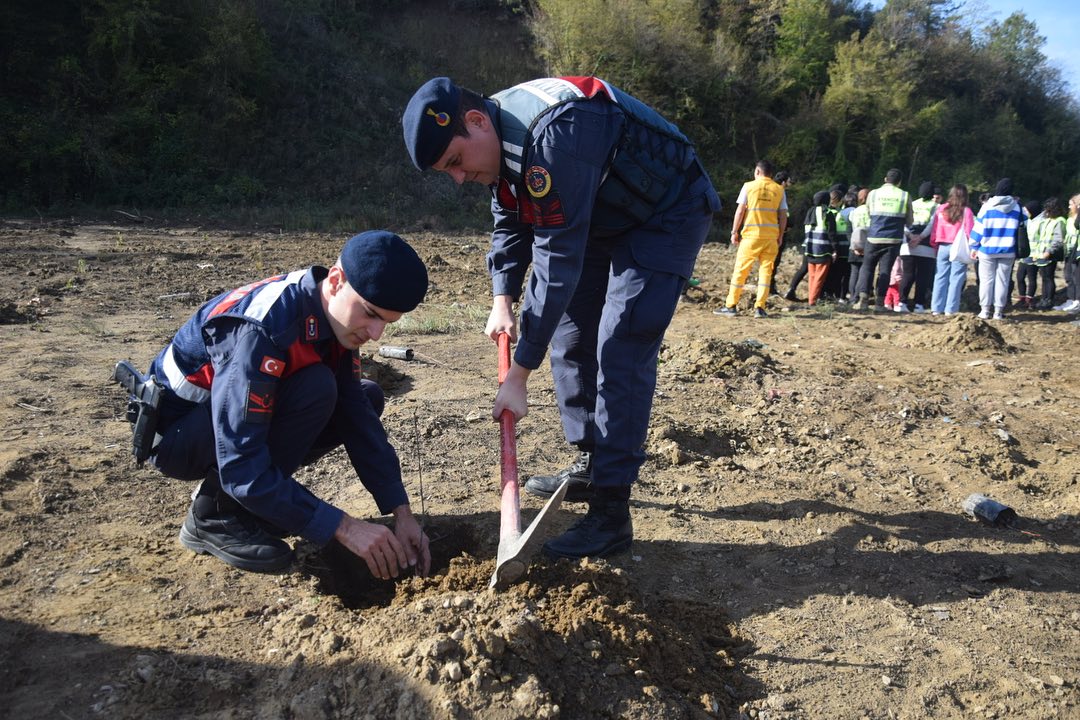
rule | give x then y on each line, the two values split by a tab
921	212
1072	239
1043	239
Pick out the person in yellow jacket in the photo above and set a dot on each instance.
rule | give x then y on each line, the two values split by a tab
758	229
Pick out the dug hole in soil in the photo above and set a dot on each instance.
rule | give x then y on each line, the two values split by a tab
800	551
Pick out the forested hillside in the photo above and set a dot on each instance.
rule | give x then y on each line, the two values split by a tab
287	111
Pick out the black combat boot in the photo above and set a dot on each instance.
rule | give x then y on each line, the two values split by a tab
580	488
605	529
218	525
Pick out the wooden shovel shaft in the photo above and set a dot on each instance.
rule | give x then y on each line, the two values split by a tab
510	506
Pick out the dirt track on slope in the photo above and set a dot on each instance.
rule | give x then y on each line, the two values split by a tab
800	550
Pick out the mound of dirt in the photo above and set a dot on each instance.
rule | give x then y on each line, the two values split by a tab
962	333
570	639
19	313
697	358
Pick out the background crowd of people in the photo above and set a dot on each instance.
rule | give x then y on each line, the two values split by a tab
883	248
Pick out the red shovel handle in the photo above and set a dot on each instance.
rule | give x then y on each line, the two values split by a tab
504	356
511	517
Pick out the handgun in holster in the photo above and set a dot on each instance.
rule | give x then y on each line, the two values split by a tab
144	395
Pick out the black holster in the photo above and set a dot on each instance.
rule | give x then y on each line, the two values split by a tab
144	396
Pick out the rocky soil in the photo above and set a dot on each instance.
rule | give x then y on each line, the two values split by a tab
800	549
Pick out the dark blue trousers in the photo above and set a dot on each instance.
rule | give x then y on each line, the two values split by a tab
305	426
604	352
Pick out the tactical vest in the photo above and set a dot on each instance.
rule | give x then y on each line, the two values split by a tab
888	206
817	237
646	172
763	199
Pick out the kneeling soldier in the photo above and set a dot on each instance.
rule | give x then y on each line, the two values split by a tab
264	379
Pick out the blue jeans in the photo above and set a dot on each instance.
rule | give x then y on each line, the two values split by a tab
948	282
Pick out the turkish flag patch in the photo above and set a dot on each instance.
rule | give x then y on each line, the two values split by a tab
272	366
260	402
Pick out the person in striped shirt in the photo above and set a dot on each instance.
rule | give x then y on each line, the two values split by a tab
993	244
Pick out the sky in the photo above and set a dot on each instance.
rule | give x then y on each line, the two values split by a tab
1059	23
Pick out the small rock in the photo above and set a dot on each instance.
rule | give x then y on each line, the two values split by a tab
453	671
776	701
331	642
529	694
614	670
1056	680
710	704
442	647
886	681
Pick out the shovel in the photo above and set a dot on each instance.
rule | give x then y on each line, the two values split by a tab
515	547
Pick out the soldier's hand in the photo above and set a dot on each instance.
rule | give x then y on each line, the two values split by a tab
501	319
513	394
376	544
413	539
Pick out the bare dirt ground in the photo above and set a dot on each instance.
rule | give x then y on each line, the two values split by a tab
800	550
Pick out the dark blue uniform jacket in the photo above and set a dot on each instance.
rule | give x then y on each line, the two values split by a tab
232	354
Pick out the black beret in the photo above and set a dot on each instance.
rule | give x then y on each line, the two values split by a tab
1003	187
384	270
429	120
926	189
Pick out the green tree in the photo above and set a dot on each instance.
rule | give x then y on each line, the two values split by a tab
805	46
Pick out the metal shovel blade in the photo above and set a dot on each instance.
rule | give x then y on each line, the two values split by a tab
514	552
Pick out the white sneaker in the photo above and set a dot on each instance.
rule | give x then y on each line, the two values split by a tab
1074	308
984	315
900	308
999	315
920	309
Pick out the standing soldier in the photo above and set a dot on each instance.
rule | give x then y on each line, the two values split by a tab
610	204
890	213
758	229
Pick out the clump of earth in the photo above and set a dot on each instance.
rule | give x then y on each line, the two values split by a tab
961	333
